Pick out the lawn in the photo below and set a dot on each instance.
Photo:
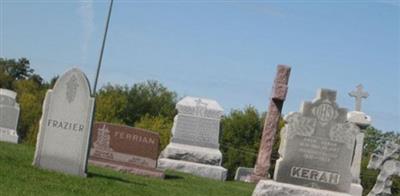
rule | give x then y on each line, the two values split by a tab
19	177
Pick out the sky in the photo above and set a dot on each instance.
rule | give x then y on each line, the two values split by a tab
223	50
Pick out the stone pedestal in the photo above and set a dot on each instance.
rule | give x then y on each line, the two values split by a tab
195	160
273	188
8	135
243	174
356	189
198	169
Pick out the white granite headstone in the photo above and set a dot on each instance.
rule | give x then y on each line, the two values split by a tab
9	114
194	146
63	138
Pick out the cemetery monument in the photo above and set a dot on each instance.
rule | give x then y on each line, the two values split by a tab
386	159
362	121
278	96
126	149
64	131
194	146
316	151
9	114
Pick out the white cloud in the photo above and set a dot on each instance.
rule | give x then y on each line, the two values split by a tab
86	12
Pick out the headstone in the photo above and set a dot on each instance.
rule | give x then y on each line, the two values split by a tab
317	146
362	121
278	96
126	149
194	146
243	174
9	114
63	138
386	159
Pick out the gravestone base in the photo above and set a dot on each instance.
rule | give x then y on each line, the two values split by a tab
9	136
198	169
243	174
129	168
356	189
270	187
209	156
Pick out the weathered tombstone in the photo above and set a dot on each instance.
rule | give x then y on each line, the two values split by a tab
362	121
317	146
316	150
194	146
63	138
126	149
243	174
386	159
9	114
278	96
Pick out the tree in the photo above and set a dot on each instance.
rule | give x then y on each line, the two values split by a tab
241	132
110	104
18	70
30	97
150	98
159	124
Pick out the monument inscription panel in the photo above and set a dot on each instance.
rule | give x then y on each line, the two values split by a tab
63	138
9	114
126	149
197	122
317	146
125	144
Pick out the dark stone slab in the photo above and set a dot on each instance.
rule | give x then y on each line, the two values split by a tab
126	149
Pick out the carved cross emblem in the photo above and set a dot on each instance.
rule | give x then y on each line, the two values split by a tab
72	85
200	107
358	94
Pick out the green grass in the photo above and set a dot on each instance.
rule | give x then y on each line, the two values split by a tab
19	177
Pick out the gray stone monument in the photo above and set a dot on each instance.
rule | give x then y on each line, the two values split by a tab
9	114
63	138
243	174
362	121
194	146
386	159
316	151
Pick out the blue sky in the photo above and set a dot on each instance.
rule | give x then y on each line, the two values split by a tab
224	50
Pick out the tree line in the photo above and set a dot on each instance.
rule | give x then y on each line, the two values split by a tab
151	105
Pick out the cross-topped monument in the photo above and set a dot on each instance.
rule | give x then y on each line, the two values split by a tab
359	93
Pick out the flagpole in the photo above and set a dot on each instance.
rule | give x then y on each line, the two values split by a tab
102	48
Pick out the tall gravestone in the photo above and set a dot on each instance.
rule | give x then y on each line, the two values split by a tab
317	146
9	114
194	146
126	149
362	120
63	138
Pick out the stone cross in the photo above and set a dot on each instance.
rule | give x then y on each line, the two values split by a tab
271	123
359	94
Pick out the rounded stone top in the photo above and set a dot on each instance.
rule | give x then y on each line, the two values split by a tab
359	118
8	93
196	102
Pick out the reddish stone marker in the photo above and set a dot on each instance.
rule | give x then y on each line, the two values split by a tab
271	123
127	149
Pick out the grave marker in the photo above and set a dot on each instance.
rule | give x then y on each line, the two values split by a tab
317	146
125	149
63	138
9	114
194	146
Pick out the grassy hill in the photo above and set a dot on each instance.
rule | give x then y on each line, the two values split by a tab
19	177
